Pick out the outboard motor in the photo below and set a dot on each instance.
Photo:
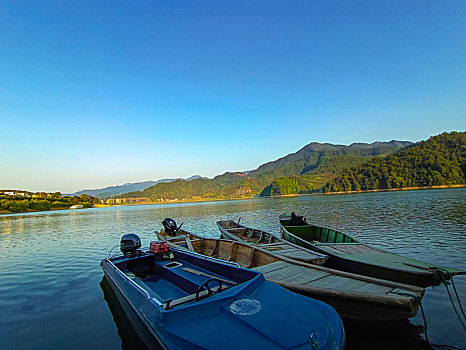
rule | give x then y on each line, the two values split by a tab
170	226
297	220
129	244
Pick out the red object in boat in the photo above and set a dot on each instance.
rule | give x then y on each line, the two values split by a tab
158	247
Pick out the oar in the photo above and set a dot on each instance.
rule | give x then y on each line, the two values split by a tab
200	273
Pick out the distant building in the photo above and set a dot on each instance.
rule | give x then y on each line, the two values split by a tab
15	193
127	200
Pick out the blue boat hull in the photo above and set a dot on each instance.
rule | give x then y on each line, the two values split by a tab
148	336
251	314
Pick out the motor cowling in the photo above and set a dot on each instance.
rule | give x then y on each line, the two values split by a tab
129	244
169	226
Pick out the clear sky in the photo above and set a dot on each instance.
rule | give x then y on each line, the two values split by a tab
94	94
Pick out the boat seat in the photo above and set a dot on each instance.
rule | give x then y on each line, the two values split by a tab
170	304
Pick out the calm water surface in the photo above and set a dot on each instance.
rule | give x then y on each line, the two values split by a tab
52	294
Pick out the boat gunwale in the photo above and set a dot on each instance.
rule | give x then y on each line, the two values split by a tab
134	284
378	306
315	244
360	277
280	241
420	271
134	308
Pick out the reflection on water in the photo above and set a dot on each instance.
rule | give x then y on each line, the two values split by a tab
401	335
50	295
129	337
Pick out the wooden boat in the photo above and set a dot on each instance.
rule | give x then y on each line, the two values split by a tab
353	296
181	300
347	254
236	232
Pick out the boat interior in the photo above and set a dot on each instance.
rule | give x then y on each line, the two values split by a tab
247	234
318	234
241	254
180	279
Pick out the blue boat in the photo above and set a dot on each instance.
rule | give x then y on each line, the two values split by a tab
183	300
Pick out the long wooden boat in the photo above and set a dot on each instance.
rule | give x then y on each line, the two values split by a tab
236	232
353	296
347	254
181	300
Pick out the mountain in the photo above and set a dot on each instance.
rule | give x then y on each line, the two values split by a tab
441	160
110	191
312	166
308	169
221	186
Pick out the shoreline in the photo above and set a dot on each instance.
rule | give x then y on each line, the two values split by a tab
415	188
6	212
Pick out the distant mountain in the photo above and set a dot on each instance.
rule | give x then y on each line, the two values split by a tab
221	186
110	191
307	153
314	165
194	177
441	160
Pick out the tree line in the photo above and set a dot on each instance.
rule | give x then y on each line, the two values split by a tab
441	160
44	202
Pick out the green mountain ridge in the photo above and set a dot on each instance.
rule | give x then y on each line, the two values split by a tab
312	166
440	160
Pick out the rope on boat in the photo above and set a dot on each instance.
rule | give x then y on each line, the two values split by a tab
441	274
417	299
457	298
429	344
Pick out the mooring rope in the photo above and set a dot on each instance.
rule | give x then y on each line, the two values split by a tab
442	274
429	344
457	297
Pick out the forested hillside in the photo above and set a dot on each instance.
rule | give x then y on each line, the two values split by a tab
222	186
441	160
310	167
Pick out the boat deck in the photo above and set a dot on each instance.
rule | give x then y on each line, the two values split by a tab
175	282
285	273
293	252
269	242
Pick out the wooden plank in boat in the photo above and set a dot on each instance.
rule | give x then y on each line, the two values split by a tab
403	293
305	276
271	267
278	249
337	282
300	255
374	288
347	248
343	283
290	250
288	271
272	244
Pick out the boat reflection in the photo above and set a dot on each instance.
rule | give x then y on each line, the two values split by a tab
129	337
400	335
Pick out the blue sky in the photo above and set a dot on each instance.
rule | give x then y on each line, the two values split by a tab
98	94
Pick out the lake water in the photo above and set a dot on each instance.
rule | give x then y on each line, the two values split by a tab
52	294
